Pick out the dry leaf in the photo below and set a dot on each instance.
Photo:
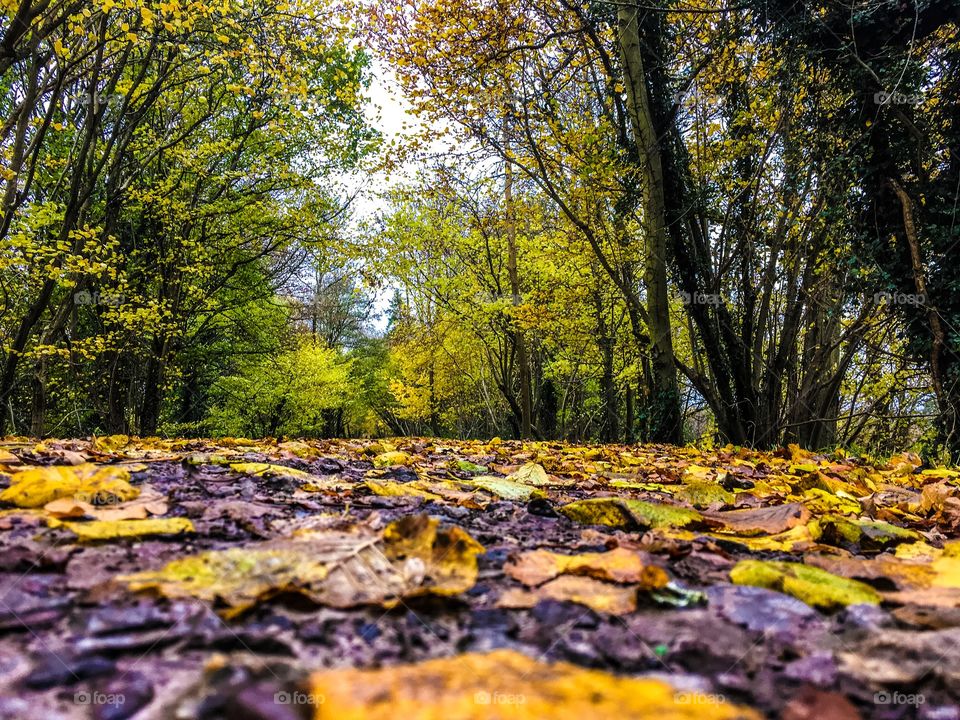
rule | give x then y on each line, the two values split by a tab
341	569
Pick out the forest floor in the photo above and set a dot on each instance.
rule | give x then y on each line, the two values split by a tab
433	578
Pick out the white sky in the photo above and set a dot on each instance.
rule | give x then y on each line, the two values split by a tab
389	113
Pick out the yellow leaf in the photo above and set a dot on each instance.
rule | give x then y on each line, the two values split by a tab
36	487
810	584
110	529
389	488
618	565
625	512
595	594
110	443
394	457
530	474
268	470
503	683
504	488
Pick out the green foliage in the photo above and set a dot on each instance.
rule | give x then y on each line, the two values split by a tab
293	393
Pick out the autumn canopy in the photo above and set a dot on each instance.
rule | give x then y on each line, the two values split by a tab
479	359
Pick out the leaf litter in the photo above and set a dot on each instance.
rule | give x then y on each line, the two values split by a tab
263	579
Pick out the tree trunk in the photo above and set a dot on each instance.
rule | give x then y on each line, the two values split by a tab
945	397
665	420
153	388
523	359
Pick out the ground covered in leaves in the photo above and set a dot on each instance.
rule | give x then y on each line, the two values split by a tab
439	579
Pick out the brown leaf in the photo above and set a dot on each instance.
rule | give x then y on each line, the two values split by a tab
619	565
813	704
149	502
771	520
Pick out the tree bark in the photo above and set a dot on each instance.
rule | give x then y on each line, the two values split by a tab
665	421
523	359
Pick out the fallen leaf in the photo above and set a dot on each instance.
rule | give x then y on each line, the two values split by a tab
595	594
389	488
618	565
90	483
902	657
530	474
341	569
269	470
793	540
149	502
901	574
111	529
810	584
503	684
392	458
332	484
704	494
504	488
813	704
110	443
864	535
624	512
754	521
